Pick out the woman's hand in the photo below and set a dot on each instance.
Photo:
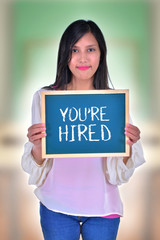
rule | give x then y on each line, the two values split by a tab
133	134
35	134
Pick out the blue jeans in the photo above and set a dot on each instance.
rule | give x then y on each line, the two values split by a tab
58	226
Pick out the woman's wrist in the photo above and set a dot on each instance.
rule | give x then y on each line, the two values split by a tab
125	159
37	156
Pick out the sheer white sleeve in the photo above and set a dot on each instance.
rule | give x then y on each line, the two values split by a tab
37	173
117	172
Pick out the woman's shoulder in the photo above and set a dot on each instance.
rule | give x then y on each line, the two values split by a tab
37	94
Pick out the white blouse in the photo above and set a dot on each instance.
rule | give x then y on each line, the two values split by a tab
79	186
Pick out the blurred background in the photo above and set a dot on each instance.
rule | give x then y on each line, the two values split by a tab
29	36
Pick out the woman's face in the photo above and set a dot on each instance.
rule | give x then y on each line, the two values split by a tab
85	58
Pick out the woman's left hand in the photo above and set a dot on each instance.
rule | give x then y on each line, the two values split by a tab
133	134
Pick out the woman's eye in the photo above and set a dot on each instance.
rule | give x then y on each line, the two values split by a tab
91	49
74	50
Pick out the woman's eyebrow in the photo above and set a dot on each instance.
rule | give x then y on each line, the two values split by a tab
91	45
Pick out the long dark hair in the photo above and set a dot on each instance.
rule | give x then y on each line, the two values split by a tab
70	36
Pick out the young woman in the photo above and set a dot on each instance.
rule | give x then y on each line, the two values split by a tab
79	190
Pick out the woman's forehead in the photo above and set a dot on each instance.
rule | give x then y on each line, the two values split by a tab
87	39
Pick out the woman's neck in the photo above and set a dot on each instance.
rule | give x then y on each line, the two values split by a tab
80	85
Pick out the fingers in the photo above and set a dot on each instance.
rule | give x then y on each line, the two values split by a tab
36	126
134	138
36	132
133	134
133	129
37	137
35	129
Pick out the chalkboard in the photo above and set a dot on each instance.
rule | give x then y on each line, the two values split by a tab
85	123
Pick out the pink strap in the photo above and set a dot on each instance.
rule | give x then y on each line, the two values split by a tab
112	216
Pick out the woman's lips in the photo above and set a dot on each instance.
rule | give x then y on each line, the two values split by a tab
83	68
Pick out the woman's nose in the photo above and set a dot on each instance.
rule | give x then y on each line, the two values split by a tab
83	57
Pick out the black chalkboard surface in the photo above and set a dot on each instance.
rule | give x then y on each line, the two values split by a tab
85	123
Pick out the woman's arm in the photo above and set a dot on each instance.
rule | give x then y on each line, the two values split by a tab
120	169
32	162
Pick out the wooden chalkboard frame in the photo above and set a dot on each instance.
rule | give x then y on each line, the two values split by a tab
92	92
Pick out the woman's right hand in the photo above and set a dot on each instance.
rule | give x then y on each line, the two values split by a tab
35	134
